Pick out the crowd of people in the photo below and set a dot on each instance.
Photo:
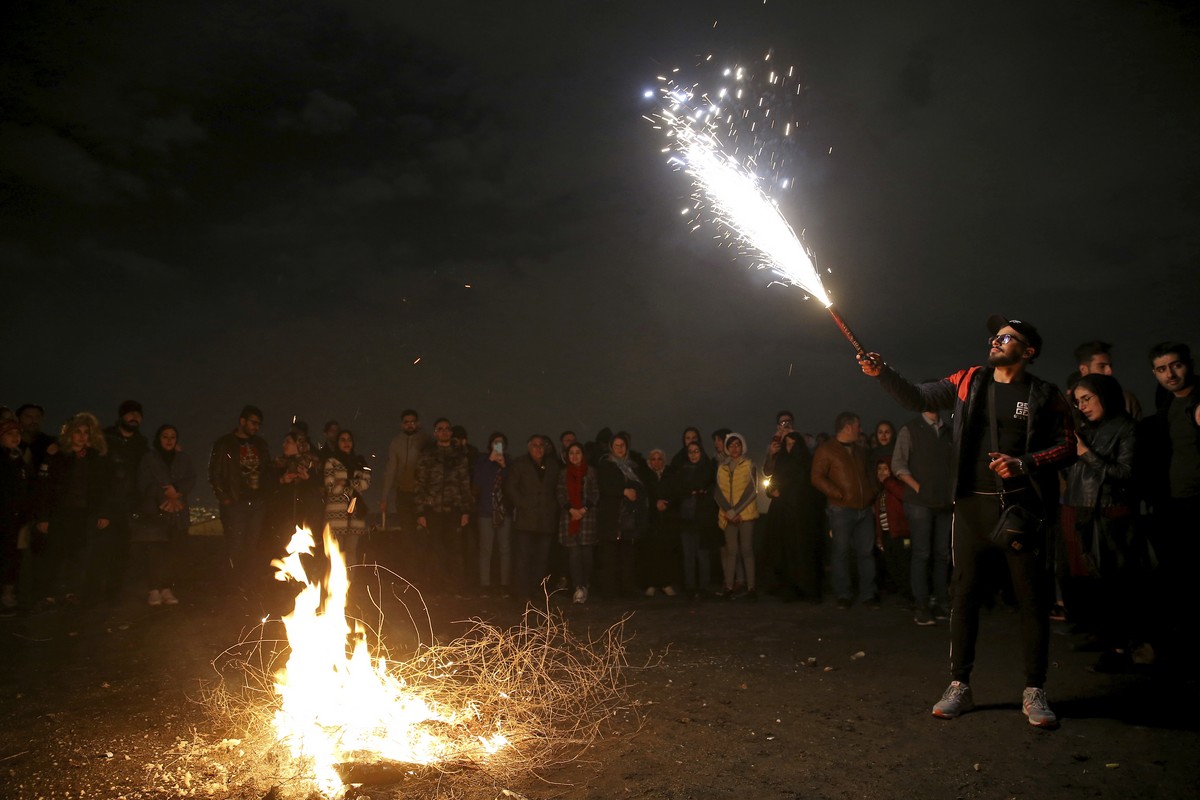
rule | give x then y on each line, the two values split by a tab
1079	509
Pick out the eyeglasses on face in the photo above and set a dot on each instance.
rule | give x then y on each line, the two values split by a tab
1001	339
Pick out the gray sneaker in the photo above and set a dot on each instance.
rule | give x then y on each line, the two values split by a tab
923	616
1037	708
955	700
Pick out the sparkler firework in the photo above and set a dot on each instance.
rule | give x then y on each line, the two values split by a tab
721	140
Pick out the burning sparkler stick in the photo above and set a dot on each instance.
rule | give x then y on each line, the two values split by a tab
845	329
727	191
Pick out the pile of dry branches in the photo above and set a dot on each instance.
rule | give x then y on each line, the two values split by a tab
546	690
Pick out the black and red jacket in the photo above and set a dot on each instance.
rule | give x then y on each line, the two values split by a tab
1049	437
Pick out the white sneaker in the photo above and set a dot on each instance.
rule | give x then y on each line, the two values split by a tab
649	591
1035	706
168	598
956	700
669	591
580	595
155	598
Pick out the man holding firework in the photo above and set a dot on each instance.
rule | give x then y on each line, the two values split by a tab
1012	432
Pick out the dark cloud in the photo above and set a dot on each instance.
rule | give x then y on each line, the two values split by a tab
125	266
178	131
320	115
42	159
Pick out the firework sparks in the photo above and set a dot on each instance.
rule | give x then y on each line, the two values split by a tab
722	139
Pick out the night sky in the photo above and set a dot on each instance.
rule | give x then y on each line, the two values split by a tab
204	204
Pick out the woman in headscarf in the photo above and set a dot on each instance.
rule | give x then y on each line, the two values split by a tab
736	494
620	516
346	480
658	545
578	494
690	434
690	487
160	528
1099	507
72	512
794	522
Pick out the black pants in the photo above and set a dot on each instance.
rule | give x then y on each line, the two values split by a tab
402	547
1176	538
62	555
974	518
110	559
616	562
531	563
446	536
658	557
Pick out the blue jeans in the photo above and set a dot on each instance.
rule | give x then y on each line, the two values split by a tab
929	529
853	528
489	532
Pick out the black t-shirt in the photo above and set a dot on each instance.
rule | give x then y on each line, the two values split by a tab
1012	424
1185	454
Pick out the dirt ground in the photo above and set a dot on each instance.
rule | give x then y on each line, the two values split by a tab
724	700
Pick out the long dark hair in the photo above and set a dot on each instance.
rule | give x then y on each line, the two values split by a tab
1107	390
167	455
352	460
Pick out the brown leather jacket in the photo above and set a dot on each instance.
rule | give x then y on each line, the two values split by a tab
842	474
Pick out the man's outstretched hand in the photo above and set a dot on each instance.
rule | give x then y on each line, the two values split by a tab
871	363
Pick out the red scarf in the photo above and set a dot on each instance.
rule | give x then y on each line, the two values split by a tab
575	476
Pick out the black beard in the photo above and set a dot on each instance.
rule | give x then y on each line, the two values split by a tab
131	427
1002	360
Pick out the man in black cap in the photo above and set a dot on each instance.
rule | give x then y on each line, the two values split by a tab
126	446
1012	433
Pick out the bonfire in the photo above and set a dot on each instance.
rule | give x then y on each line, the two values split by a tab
340	710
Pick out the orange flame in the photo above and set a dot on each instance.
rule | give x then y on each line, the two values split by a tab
337	708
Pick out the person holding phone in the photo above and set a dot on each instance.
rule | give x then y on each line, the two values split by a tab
493	514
